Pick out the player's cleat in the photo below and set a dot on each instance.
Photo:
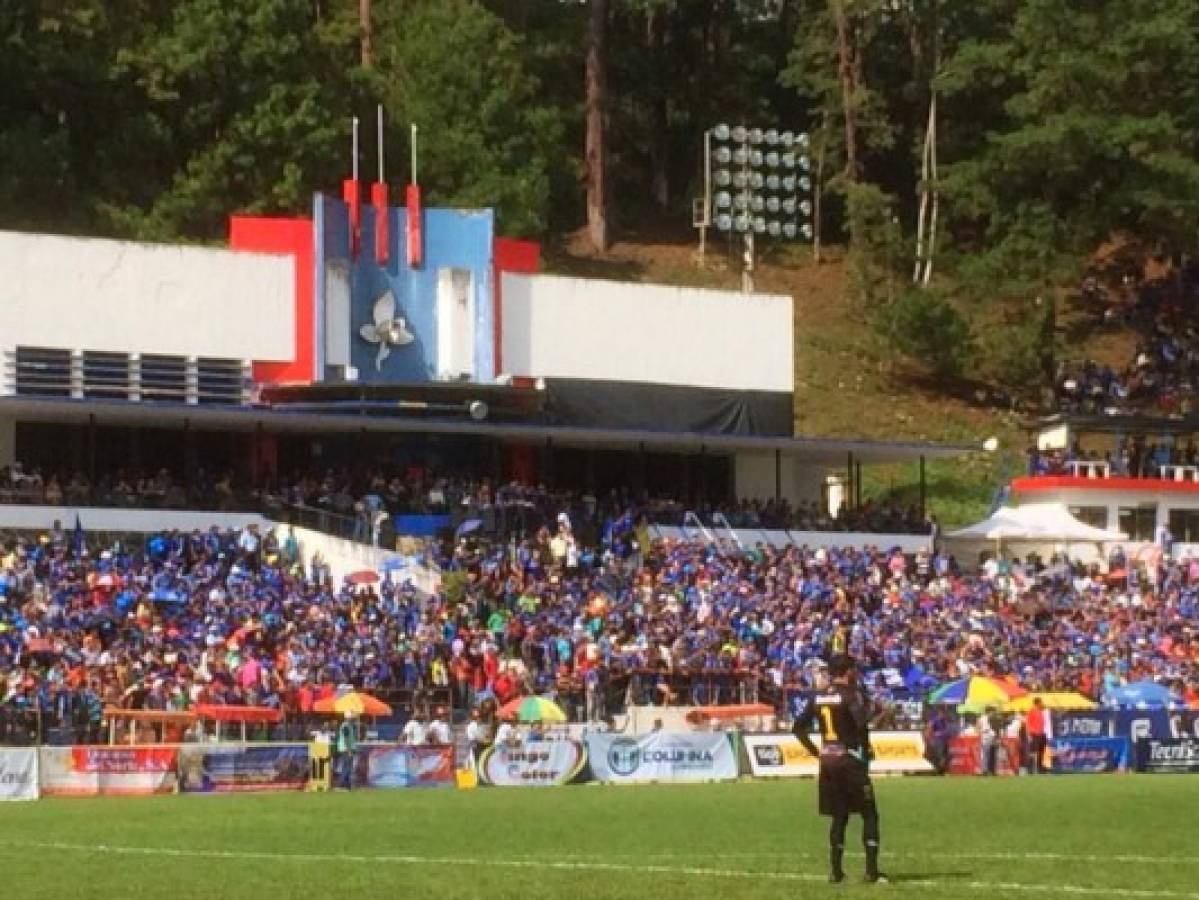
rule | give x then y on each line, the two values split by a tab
836	877
877	878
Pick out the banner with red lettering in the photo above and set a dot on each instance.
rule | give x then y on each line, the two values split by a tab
965	756
110	771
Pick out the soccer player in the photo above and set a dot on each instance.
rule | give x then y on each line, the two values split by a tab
842	712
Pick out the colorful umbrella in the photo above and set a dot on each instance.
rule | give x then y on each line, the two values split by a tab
1144	695
1052	700
976	692
363	576
354	702
532	709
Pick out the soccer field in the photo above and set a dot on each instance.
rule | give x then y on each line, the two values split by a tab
1101	836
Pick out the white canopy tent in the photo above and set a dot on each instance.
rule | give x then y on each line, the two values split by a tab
1039	522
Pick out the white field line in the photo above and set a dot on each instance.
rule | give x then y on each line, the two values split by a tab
580	866
998	856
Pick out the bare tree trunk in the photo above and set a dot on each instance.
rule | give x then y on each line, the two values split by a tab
660	149
364	31
925	187
931	240
847	69
597	101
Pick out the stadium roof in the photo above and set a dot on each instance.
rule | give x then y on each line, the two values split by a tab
1119	424
828	451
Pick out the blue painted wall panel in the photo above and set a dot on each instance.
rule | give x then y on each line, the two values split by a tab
454	239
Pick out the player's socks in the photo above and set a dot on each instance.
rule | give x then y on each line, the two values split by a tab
836	872
872	872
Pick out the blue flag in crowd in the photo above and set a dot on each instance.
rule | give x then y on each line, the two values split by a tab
78	541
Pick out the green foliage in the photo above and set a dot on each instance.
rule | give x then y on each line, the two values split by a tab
1019	352
875	250
1062	123
1095	136
241	112
486	138
927	328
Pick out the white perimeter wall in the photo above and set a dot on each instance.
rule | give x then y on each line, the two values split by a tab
617	331
88	294
134	521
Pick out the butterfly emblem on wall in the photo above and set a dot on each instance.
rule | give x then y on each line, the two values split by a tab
387	330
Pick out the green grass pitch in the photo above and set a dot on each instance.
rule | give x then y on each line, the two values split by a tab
1080	836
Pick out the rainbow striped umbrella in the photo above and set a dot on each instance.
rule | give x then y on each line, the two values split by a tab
976	691
532	709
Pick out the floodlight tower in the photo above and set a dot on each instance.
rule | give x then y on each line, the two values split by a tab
756	182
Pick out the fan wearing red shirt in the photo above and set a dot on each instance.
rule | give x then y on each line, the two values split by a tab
1036	723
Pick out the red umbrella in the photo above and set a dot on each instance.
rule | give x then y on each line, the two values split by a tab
363	576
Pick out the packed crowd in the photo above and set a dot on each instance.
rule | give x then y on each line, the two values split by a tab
1131	456
360	502
237	618
1163	373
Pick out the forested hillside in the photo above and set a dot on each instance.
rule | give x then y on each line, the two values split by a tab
971	157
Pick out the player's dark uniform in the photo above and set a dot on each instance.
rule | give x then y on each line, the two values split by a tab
842	715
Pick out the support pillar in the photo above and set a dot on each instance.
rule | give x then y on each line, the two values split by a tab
639	475
923	491
91	451
8	441
847	502
190	457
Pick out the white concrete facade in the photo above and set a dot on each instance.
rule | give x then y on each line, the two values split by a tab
1112	500
555	327
68	293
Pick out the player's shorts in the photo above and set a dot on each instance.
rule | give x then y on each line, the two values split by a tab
844	785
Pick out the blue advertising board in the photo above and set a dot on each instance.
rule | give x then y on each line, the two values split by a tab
216	769
1101	754
1096	724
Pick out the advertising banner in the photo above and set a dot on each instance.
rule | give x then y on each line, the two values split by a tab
116	771
243	769
320	766
965	757
404	767
782	755
1134	724
1090	754
1097	724
535	764
1147	724
662	756
18	773
1174	756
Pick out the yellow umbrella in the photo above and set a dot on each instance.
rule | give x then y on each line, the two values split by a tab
1052	700
355	702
